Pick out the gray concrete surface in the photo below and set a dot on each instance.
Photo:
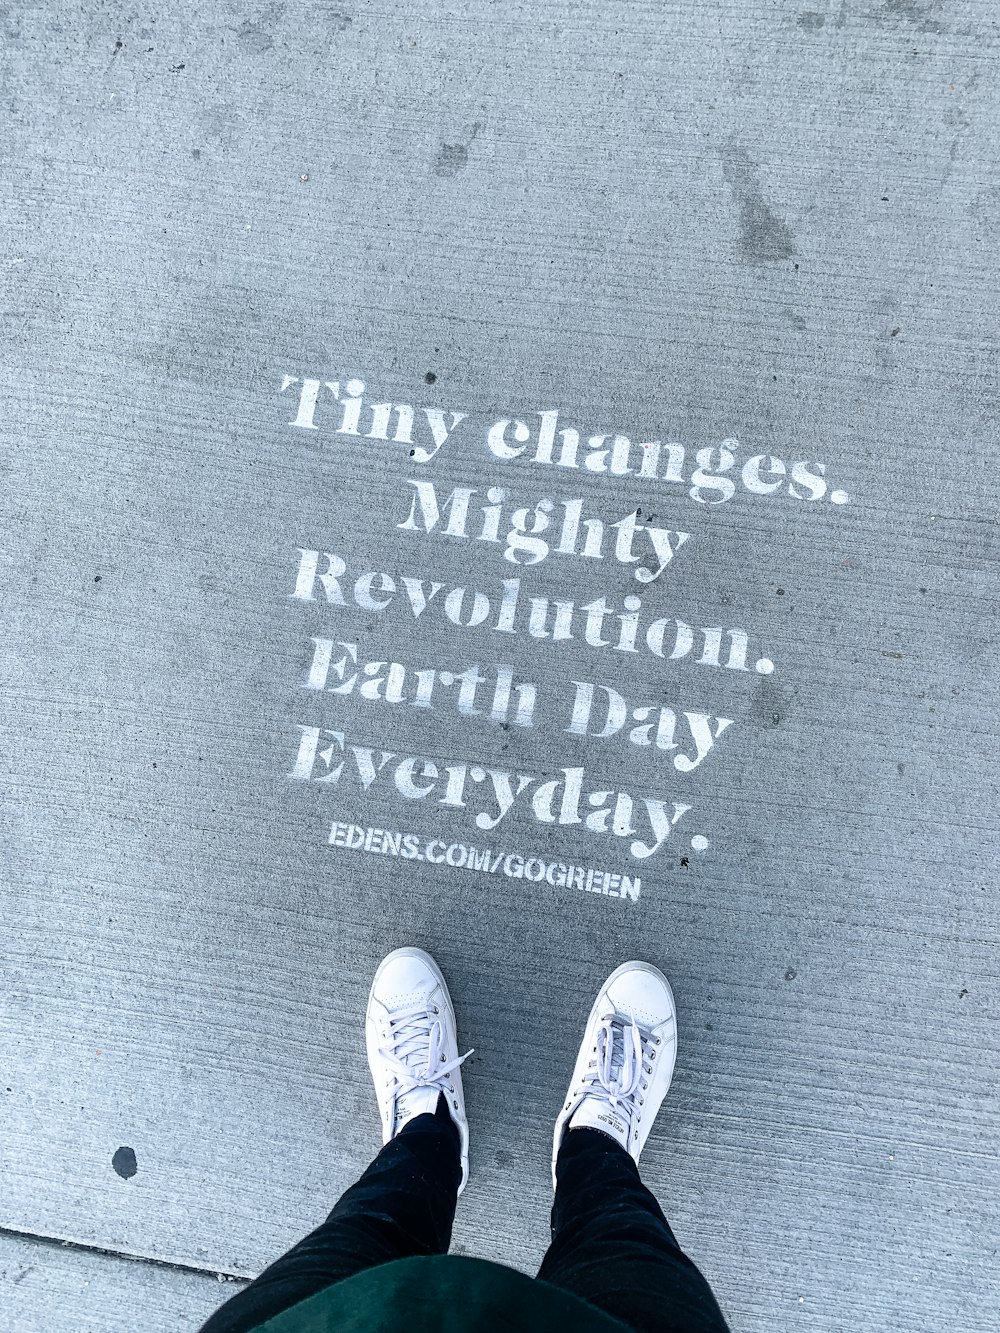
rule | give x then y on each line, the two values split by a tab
46	1285
683	223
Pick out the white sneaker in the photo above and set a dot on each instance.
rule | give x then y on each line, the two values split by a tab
626	1061
412	1045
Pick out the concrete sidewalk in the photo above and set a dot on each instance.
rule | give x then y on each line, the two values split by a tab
517	479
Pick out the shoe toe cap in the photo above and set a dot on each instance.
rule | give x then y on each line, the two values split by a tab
644	991
403	978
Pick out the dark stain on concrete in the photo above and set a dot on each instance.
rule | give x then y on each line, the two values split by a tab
889	312
810	20
252	37
771	704
897	12
451	159
8	24
220	122
124	1163
454	157
764	237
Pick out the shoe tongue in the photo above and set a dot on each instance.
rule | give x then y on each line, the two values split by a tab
420	1101
594	1114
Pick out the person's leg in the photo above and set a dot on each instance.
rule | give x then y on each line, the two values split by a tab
403	1205
611	1244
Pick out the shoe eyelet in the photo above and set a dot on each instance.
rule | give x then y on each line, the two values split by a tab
455	1104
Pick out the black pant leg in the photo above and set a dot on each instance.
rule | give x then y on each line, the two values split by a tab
403	1205
612	1246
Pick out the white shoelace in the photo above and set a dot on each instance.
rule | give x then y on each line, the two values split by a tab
619	1070
416	1052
